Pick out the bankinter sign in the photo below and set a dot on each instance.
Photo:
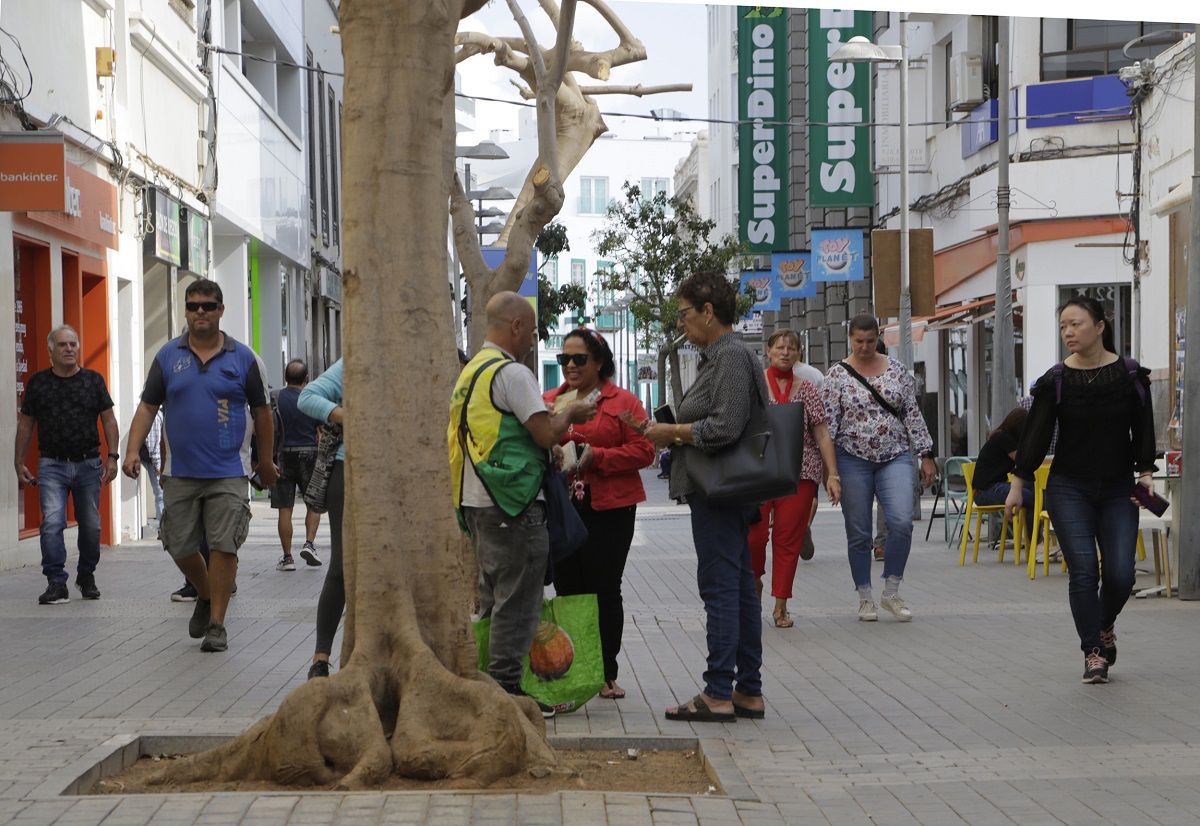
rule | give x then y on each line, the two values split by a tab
32	172
763	132
839	96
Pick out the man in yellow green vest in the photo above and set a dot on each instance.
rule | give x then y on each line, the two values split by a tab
499	435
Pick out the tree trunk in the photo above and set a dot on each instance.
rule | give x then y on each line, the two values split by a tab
408	698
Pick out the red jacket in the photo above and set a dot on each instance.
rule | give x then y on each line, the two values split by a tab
618	451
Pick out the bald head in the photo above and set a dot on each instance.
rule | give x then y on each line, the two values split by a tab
511	323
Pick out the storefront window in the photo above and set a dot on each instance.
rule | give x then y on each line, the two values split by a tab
1115	298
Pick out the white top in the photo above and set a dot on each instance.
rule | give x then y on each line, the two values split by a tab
806	372
515	390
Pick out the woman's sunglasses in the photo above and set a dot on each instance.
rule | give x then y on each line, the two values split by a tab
578	359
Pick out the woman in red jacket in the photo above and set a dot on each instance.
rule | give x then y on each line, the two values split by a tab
609	453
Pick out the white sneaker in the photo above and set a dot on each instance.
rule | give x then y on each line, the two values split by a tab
896	606
285	564
867	611
309	554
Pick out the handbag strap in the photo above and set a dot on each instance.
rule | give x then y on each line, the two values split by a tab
464	429
878	398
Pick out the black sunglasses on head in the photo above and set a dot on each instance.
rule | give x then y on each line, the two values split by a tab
578	359
207	306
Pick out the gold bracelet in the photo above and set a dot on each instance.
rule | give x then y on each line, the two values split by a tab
834	478
678	438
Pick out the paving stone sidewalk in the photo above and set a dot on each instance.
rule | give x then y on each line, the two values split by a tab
973	713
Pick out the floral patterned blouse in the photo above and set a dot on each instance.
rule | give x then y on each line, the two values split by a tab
807	393
861	427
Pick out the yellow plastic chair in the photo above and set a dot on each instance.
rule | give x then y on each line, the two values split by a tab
1041	521
968	470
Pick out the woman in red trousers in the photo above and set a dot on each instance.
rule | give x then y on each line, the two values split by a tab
608	455
785	520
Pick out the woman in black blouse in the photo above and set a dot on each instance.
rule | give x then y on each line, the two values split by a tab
997	458
712	415
1101	403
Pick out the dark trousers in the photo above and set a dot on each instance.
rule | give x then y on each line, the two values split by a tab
726	580
597	568
1086	513
333	593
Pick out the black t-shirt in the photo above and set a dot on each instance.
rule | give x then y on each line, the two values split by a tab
66	411
299	430
993	464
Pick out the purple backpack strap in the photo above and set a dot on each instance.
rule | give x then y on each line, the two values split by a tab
1131	366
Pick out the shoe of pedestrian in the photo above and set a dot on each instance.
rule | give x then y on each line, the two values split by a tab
320	668
1095	668
234	591
867	612
878	554
86	583
548	712
894	604
201	617
55	594
309	554
215	639
185	594
286	564
1109	637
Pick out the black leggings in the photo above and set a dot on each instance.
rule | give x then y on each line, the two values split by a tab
333	593
597	568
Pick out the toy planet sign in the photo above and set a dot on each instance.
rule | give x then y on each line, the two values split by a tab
837	254
793	274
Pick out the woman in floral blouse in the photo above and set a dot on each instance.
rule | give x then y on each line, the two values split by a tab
791	513
875	439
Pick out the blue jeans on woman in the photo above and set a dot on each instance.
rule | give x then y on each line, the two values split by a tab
726	580
997	494
80	480
892	483
1087	512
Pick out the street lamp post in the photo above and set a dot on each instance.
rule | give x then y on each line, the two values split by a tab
861	50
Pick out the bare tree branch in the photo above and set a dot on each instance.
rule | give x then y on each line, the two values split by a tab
562	48
525	91
466	242
637	90
551	10
531	44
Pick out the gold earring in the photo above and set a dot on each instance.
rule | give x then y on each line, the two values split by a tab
707	322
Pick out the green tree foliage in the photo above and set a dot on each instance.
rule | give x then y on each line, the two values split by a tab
656	243
554	301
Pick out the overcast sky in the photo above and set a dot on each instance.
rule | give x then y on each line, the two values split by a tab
676	43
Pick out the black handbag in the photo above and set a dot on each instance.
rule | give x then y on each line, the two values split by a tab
764	463
565	525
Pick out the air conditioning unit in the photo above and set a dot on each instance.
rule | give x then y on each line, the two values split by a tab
966	81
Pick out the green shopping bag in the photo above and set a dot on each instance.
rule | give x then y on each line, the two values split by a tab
564	667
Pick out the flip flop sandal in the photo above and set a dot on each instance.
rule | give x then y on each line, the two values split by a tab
749	713
612	691
782	619
701	714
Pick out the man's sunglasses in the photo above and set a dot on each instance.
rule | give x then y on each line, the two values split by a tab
207	306
578	359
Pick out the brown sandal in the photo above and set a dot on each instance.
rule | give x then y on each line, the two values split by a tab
612	691
782	618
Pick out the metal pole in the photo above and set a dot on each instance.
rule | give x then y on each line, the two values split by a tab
1004	370
906	342
1189	534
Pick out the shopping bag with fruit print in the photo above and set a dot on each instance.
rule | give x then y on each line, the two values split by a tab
564	668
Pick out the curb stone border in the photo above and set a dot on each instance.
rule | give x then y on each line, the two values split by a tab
121	751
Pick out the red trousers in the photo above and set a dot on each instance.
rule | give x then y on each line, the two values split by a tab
786	520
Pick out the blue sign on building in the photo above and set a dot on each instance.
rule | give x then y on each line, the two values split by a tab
982	125
837	254
793	274
1071	102
766	291
494	257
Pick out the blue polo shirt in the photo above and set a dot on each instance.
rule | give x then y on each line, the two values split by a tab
206	406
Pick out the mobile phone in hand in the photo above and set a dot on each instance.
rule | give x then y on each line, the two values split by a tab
663	414
1150	500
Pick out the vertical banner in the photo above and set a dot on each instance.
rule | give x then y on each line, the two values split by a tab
837	254
793	274
839	96
766	291
762	133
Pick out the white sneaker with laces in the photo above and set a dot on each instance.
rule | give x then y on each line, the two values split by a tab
867	611
309	554
895	604
286	564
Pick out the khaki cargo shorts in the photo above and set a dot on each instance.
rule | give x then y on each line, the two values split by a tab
195	509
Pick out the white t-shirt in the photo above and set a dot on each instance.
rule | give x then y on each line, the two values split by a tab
806	372
515	390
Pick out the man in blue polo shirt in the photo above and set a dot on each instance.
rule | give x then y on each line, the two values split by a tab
209	386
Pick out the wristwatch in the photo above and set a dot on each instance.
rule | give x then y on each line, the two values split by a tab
678	438
114	455
927	454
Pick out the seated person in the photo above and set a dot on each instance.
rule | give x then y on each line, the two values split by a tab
996	460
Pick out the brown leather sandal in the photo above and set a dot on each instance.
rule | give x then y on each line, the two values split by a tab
782	618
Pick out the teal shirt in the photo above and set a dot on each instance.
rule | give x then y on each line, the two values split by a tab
321	395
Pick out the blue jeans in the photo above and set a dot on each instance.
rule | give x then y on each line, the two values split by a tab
892	483
726	581
1087	512
998	493
82	481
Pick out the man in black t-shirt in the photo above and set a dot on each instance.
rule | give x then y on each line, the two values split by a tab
63	402
296	436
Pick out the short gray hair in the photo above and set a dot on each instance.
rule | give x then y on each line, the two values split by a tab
57	330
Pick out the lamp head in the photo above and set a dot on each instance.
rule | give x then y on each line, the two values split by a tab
859	49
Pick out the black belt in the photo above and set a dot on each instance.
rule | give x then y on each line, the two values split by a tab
80	457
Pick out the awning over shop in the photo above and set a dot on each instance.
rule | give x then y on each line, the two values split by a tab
955	315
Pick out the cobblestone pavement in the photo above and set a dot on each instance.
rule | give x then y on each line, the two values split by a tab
973	713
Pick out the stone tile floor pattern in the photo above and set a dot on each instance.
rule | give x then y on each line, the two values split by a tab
971	714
